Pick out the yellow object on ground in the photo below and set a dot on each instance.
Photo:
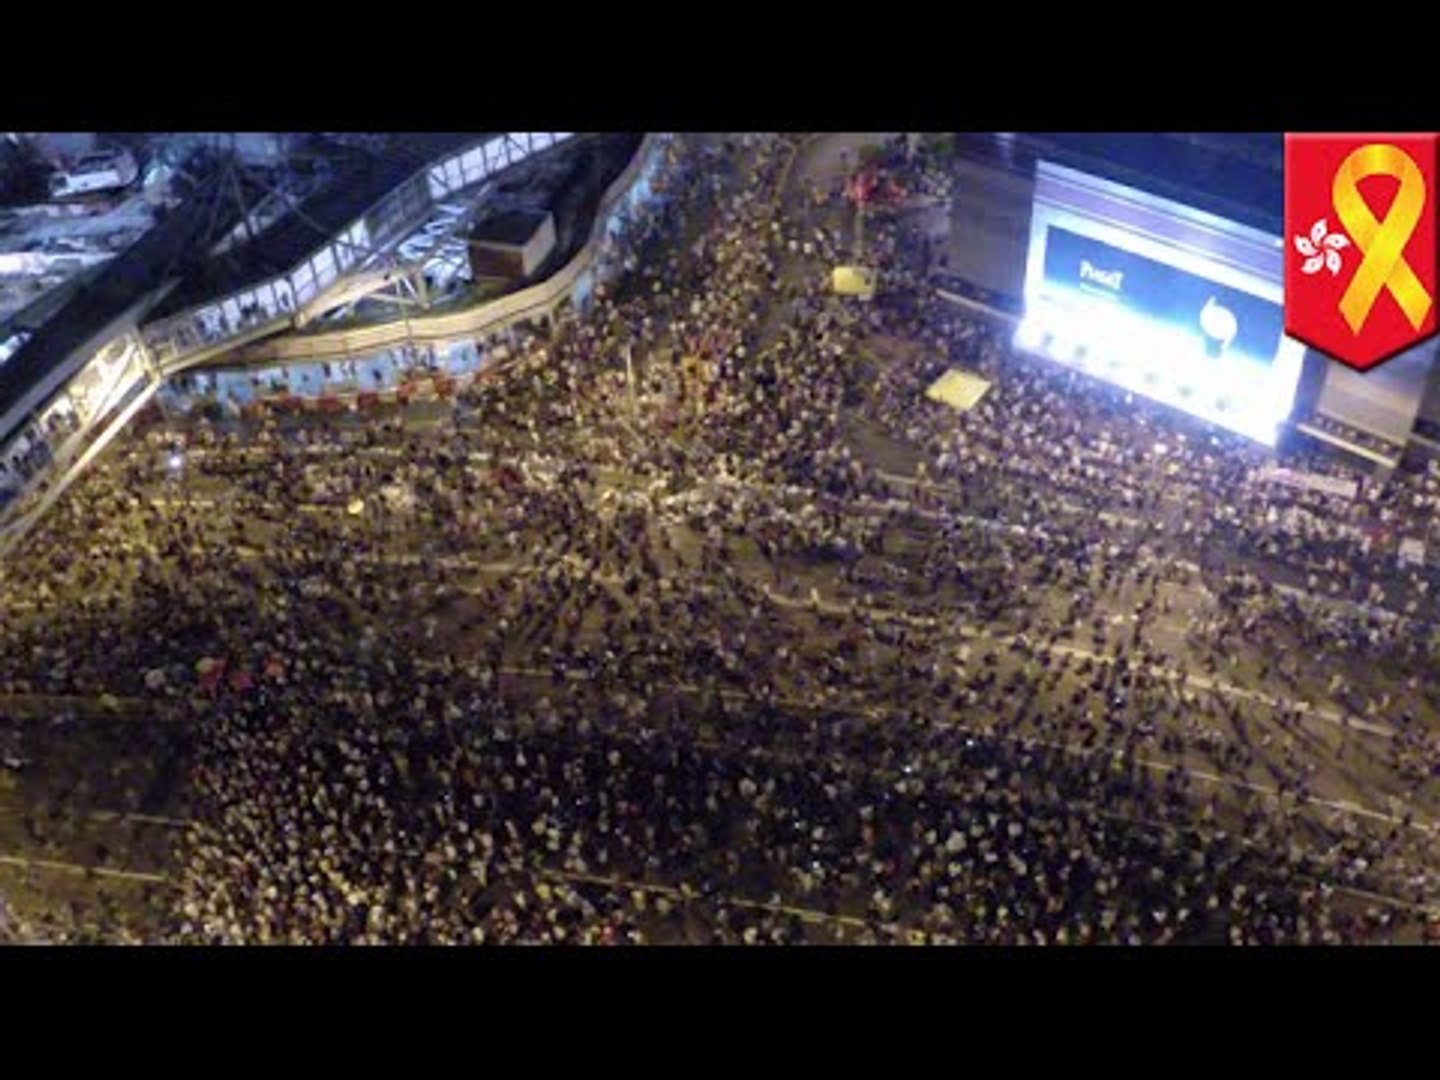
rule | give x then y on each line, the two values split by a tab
853	281
958	389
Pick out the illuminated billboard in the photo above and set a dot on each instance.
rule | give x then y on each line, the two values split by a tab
1161	299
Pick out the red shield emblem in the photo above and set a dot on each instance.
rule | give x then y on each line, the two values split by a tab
1360	245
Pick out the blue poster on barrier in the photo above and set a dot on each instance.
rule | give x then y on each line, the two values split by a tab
1226	321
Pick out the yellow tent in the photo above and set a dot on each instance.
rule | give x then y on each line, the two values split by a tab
853	281
958	389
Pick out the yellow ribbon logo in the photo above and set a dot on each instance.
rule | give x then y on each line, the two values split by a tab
1381	242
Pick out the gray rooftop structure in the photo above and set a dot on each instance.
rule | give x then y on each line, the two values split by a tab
514	227
364	179
1235	175
130	281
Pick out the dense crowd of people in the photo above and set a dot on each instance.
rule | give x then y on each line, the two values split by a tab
701	623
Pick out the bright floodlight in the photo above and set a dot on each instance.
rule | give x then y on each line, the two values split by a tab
1029	334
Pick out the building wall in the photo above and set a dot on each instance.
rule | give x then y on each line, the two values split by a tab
494	261
1430	402
1384	400
989	228
539	246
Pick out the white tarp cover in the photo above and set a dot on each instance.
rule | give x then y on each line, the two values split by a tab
958	389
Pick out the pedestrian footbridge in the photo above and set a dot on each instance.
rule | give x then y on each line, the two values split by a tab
181	300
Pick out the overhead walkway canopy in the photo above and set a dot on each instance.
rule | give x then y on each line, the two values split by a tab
52	418
363	182
119	294
558	280
261	286
223	296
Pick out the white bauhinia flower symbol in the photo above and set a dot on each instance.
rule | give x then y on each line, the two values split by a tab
1321	248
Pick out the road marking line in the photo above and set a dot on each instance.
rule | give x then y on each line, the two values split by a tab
831	607
877	713
111	815
82	871
805	914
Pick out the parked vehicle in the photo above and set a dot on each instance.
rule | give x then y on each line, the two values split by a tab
102	171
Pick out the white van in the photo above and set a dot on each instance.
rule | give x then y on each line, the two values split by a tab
104	170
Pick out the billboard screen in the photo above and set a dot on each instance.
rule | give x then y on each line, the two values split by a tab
1222	320
1162	299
